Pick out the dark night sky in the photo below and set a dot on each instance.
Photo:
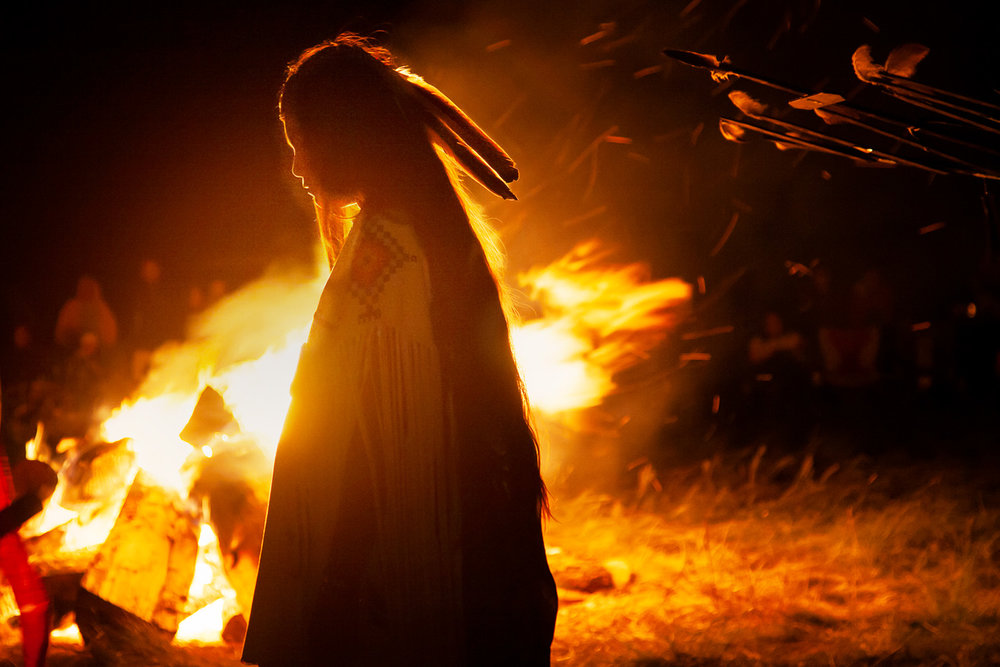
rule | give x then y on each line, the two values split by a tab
151	131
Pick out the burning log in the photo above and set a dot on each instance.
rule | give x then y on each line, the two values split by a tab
232	487
108	630
34	483
8	611
210	418
146	565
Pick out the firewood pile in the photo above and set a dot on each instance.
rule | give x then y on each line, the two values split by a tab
130	591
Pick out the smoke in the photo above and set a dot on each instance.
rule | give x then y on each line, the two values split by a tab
270	313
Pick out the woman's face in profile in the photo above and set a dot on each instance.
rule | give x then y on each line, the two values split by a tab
301	163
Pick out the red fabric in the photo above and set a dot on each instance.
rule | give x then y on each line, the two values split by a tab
29	592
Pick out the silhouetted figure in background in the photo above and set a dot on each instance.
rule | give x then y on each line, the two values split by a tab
216	290
155	317
26	368
854	403
780	381
83	381
195	301
776	350
87	331
850	349
87	312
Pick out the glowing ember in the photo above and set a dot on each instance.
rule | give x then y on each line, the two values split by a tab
68	636
204	626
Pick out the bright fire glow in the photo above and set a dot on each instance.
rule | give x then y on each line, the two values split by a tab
204	626
592	321
81	530
53	516
596	320
153	425
211	587
555	367
246	348
67	636
257	391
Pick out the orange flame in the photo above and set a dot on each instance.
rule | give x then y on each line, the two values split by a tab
596	320
592	320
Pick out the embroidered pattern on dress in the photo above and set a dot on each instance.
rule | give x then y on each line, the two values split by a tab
378	256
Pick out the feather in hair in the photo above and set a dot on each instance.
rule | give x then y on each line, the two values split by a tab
464	127
470	161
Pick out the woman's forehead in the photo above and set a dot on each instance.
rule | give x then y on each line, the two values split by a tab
293	133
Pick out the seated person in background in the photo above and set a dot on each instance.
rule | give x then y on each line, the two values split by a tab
850	352
87	312
776	349
779	382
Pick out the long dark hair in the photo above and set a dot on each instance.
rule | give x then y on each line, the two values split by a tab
367	139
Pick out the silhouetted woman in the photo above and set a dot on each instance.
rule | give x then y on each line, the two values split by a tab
404	523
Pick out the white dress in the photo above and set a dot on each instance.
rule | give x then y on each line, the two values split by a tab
367	557
366	441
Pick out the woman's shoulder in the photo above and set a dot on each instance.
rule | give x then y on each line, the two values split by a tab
381	270
386	245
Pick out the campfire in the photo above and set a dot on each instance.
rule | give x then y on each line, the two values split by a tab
158	516
152	535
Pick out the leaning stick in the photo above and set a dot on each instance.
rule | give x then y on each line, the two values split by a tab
848	113
755	110
853	152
